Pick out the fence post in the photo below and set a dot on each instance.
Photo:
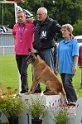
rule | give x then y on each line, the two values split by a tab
3	50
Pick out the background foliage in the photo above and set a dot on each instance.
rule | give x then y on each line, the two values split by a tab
64	11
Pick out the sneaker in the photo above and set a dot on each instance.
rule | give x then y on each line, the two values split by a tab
24	91
71	104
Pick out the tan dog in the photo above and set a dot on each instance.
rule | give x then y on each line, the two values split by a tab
44	74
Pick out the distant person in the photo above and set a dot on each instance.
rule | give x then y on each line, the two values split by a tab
80	62
45	30
80	57
23	33
67	59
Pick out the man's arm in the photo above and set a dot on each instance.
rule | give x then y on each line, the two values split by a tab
56	27
14	36
30	20
56	66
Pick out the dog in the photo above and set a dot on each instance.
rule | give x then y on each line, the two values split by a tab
44	74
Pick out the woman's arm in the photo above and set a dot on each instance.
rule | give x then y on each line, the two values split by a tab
75	64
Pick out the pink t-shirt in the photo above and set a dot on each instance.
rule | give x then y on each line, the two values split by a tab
24	38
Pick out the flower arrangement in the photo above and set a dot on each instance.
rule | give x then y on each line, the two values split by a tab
61	117
11	104
36	109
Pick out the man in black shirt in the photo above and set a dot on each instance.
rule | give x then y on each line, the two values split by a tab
45	30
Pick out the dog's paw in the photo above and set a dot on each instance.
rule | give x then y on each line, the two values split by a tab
29	92
64	104
26	93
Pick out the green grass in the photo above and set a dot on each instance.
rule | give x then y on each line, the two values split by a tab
8	71
9	74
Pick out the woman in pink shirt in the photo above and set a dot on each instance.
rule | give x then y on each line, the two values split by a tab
23	33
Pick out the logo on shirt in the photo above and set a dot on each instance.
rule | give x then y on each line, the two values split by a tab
43	35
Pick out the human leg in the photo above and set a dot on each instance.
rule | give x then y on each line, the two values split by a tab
22	67
69	88
24	74
38	88
19	60
48	57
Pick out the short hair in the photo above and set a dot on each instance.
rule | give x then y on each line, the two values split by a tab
44	9
69	27
21	11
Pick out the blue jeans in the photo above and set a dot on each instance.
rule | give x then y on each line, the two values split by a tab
48	56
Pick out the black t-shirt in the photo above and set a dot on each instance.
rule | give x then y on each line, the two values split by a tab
45	33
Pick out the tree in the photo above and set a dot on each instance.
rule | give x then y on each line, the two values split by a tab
64	11
78	27
8	14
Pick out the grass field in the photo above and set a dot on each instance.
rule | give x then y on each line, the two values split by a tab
9	74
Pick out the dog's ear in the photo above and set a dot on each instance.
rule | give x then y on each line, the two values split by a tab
29	50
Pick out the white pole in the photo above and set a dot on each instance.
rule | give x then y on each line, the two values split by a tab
15	5
19	76
2	14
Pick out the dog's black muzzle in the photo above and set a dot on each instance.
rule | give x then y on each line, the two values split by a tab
30	59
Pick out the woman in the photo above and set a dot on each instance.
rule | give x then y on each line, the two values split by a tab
67	58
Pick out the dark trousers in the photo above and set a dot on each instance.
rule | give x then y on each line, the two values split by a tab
69	89
22	67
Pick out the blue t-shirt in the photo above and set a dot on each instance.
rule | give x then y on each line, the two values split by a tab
65	54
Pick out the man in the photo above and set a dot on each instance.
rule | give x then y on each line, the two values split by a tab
45	30
23	33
